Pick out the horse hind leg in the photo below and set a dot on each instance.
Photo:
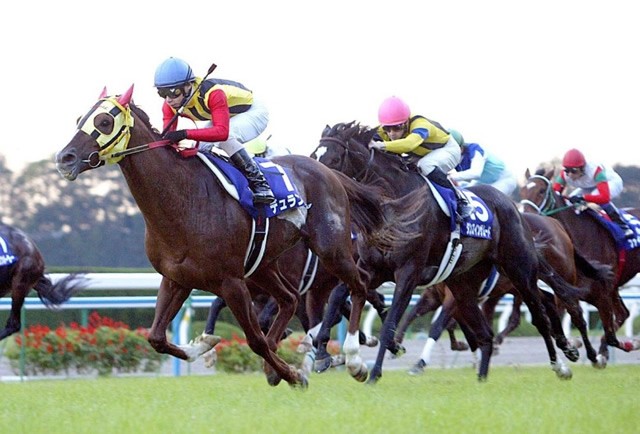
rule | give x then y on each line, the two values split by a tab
19	290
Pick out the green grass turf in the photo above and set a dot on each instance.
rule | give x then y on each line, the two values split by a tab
522	400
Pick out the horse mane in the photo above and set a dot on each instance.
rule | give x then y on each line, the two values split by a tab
357	137
144	117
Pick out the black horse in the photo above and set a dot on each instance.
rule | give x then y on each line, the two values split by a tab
22	268
420	261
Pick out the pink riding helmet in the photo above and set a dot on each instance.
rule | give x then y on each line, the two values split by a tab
393	111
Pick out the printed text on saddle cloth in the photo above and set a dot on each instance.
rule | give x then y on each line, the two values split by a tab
480	222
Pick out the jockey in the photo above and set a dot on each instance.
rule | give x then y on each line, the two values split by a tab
259	147
424	140
593	183
478	166
233	117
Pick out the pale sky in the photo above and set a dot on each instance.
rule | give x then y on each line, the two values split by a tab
527	80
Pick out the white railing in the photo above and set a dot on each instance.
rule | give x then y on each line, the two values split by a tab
151	281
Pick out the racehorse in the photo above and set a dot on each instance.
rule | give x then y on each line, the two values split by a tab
557	248
197	234
419	260
22	268
538	196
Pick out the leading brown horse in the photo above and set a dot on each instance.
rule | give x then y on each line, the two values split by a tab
594	242
197	234
22	268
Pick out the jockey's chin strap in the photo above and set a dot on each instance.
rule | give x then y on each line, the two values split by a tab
114	146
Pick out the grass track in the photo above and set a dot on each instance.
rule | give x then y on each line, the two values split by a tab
523	400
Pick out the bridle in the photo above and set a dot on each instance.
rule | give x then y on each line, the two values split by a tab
347	160
113	146
548	205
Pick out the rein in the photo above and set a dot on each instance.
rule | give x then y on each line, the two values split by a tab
362	174
548	205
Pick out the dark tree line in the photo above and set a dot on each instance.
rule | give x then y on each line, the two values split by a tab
94	221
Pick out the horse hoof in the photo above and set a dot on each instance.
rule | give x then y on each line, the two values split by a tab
601	362
321	365
562	371
418	368
373	380
482	378
212	340
371	341
338	360
273	379
210	358
459	346
302	383
398	351
359	373
572	354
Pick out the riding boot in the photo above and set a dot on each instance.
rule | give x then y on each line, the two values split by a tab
257	182
439	177
614	215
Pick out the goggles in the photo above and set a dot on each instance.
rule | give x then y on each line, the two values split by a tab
389	128
171	92
572	170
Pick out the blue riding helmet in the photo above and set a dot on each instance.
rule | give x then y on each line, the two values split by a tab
173	72
457	137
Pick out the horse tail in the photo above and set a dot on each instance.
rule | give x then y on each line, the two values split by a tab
562	288
367	213
593	269
53	295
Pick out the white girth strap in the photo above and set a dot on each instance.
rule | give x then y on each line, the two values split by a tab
449	260
263	246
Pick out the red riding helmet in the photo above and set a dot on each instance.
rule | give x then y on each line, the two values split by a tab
573	158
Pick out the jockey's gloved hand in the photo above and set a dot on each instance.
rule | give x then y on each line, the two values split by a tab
576	199
175	136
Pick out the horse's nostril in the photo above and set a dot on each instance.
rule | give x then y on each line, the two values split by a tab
67	158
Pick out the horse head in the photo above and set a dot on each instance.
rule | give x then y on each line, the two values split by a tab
536	193
343	147
102	132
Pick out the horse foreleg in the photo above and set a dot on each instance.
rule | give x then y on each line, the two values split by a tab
401	299
171	297
331	317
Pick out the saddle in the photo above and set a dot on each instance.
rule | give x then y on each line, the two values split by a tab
622	242
285	191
